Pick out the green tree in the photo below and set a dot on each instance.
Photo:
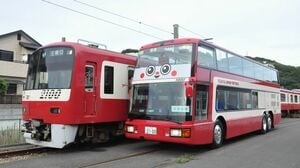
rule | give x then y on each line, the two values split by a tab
3	86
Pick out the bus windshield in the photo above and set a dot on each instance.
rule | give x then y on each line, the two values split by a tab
160	101
172	54
50	68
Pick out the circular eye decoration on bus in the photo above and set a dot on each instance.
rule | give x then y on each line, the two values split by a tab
165	69
150	70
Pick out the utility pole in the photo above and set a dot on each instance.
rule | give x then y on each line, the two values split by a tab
175	31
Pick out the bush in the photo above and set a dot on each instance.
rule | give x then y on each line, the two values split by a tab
3	86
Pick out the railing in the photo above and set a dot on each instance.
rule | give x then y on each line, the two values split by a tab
10	132
16	61
10	99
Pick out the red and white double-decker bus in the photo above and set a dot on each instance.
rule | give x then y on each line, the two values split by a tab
75	93
190	91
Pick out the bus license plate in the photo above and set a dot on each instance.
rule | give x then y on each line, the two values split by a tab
151	130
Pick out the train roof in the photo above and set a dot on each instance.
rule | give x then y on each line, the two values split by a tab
80	47
290	91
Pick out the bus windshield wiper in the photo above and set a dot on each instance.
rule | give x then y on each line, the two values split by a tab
135	115
169	119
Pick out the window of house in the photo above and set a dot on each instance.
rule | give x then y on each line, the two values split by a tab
12	88
6	55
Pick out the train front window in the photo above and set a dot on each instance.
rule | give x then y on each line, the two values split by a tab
161	101
50	68
172	54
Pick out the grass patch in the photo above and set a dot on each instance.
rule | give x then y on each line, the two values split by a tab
184	158
11	137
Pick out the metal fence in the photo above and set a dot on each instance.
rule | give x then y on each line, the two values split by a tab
10	99
10	132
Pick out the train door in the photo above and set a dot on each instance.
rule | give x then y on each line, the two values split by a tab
90	89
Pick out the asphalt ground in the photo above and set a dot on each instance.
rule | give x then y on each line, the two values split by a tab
276	149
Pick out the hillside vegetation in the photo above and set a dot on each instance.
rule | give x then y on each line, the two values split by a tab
289	76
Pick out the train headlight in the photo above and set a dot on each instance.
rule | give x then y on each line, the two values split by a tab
130	128
178	132
55	110
24	109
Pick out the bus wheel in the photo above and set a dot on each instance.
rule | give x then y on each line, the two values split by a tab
264	125
218	136
269	122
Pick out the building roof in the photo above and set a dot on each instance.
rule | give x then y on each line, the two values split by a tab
30	46
23	34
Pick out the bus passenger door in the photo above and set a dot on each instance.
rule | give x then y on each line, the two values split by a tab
201	102
90	89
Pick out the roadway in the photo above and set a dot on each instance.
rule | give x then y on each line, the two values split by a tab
279	148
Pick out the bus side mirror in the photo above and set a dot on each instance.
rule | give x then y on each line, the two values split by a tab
188	89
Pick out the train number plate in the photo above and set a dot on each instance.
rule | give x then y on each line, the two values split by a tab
151	130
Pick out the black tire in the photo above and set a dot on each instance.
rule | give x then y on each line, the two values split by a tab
269	122
264	125
218	134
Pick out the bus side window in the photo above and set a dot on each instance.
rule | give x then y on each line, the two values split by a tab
220	101
254	100
201	102
206	57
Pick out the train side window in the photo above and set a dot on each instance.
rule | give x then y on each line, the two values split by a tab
296	99
108	80
282	97
130	76
130	73
89	77
291	99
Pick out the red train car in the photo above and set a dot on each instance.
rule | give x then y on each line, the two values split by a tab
75	93
290	101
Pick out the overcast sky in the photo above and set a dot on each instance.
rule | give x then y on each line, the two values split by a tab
260	28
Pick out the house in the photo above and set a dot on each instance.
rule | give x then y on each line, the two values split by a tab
15	47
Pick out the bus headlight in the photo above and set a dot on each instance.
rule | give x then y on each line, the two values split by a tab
130	128
175	132
180	132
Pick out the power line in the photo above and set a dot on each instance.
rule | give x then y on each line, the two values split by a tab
100	19
191	31
124	17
